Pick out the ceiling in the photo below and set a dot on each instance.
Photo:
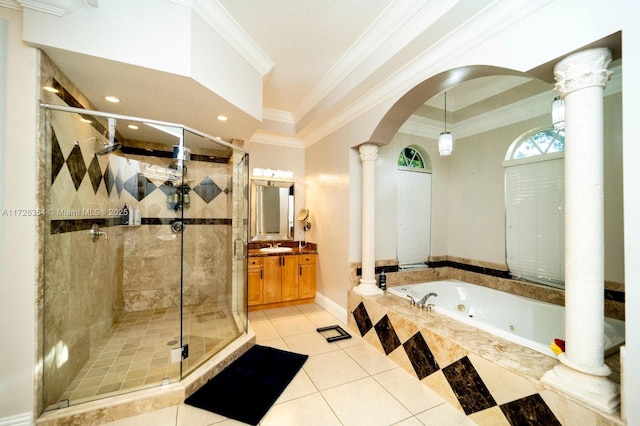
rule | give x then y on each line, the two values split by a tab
326	55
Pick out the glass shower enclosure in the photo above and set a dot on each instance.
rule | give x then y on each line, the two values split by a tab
145	236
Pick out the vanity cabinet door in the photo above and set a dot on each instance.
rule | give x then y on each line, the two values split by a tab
289	278
307	275
272	289
254	292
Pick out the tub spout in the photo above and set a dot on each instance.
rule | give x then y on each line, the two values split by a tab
422	302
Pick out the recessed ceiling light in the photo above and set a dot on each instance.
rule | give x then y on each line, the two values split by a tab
133	127
85	120
51	89
222	117
112	99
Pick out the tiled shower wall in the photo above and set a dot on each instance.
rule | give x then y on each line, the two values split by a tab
87	284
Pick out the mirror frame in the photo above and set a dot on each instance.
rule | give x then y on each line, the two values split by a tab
287	234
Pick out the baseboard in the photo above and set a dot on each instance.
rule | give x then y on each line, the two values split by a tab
332	307
25	419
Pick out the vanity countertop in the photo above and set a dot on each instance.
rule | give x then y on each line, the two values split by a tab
254	249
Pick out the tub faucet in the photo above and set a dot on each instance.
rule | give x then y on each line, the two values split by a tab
422	302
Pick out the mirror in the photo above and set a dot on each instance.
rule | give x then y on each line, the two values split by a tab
272	204
303	217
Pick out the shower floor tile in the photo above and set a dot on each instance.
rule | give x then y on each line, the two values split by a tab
137	352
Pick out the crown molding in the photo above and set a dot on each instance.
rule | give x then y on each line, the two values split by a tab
284	117
270	139
10	4
430	62
57	7
217	17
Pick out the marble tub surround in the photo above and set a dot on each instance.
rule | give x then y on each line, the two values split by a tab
491	380
485	274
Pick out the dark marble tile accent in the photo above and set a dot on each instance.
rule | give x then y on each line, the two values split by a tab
95	174
139	186
387	335
362	319
471	268
169	154
468	386
167	188
109	180
613	295
207	190
119	184
57	157
529	411
76	166
60	226
224	159
380	269
421	357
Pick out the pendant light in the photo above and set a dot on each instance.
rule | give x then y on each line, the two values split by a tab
557	113
445	141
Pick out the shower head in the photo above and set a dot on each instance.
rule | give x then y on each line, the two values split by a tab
108	148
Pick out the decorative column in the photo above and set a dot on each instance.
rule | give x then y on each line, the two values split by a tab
582	372
368	285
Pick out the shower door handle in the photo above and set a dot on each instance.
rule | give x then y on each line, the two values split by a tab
239	254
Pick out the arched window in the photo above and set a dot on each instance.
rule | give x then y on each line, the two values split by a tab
414	207
534	206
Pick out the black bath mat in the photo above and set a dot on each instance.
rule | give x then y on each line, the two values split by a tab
249	386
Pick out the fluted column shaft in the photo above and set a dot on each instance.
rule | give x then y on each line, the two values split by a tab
368	157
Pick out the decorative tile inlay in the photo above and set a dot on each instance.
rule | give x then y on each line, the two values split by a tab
108	178
530	410
468	386
420	356
119	184
76	166
362	319
207	190
167	188
95	174
387	335
139	186
57	158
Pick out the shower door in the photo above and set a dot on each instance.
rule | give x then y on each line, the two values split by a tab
211	316
138	297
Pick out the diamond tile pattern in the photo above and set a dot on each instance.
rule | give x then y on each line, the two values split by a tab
421	357
463	379
76	166
95	174
57	158
530	410
207	190
362	319
387	335
139	186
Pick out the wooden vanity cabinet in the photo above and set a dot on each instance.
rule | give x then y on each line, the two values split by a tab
281	280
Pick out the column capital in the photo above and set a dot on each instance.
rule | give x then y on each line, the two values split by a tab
368	152
582	69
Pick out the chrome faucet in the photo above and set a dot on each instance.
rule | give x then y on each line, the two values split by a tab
421	303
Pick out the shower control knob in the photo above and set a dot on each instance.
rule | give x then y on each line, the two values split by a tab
177	227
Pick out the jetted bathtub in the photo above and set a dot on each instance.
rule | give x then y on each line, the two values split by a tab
521	320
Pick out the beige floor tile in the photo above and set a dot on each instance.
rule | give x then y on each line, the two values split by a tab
370	359
445	415
301	385
308	410
310	344
294	325
279	313
333	369
277	343
407	389
323	319
257	316
192	416
264	331
411	421
365	402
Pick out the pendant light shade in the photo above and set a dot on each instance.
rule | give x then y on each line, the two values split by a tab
445	141
557	113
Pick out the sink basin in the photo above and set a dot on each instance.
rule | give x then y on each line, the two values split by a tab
276	249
